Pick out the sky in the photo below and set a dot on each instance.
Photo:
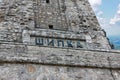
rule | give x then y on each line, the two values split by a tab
108	14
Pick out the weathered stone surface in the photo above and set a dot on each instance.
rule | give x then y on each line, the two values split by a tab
45	72
40	63
15	19
68	19
21	21
56	56
21	62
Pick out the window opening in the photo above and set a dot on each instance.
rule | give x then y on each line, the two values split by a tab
50	26
47	1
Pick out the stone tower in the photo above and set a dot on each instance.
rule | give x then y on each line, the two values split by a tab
56	23
54	40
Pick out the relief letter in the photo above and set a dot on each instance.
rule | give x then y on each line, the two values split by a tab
50	42
79	45
39	41
60	43
69	43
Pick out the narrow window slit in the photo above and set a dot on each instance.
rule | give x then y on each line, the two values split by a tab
47	1
50	26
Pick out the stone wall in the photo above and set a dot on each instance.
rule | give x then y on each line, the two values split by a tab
72	15
16	15
47	72
75	17
21	62
21	21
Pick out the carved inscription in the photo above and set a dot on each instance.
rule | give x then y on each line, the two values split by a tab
63	43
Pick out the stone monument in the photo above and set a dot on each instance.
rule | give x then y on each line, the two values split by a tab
54	40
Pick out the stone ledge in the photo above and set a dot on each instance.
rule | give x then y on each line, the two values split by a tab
56	56
57	34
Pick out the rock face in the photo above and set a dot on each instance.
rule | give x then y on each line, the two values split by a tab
54	40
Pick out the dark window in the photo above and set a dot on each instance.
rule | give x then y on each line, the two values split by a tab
47	1
50	26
